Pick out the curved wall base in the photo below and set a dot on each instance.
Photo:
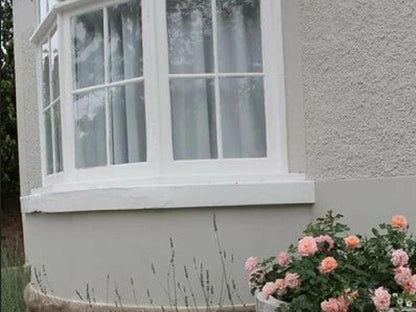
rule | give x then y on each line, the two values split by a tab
37	301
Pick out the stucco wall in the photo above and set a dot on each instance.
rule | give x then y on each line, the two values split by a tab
359	65
26	94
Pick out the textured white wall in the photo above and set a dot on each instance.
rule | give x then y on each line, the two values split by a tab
359	83
26	93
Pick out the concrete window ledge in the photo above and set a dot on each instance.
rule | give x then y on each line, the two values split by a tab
157	194
36	301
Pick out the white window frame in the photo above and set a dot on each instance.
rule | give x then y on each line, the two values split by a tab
160	169
55	177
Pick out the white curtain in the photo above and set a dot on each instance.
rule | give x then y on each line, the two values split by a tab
127	102
192	99
242	100
90	138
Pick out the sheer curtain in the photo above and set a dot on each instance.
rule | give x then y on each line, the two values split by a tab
192	99
89	107
242	99
190	32
127	102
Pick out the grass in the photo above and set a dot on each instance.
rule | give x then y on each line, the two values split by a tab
14	277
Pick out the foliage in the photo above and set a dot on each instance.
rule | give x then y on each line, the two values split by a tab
14	277
8	128
361	266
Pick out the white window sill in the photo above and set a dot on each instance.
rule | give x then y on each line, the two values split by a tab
171	193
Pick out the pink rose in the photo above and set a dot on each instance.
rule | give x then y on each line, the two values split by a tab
269	289
343	304
283	258
307	246
330	305
411	285
399	222
399	258
292	280
328	265
322	239
381	299
280	284
402	275
251	264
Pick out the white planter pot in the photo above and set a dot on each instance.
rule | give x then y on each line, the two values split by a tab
271	304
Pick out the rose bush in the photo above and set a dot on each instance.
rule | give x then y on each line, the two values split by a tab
331	270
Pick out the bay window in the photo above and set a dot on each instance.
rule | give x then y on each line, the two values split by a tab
161	89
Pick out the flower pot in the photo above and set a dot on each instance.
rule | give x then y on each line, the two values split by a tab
267	305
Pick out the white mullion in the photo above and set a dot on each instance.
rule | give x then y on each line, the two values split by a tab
125	82
106	90
41	114
52	109
52	120
213	75
67	100
50	104
163	94
273	81
108	85
88	89
216	80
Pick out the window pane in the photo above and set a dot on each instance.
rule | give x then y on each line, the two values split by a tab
189	24
239	36
125	32
58	136
242	117
193	118
43	9
48	141
55	65
128	123
88	49
90	137
45	6
46	96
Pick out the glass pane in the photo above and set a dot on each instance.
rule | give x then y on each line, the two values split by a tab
46	96
128	122
43	9
193	118
242	117
58	136
44	6
90	137
48	141
52	3
88	49
189	24
125	32
55	65
239	36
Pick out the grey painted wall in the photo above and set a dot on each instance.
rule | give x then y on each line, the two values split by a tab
77	248
351	94
359	65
